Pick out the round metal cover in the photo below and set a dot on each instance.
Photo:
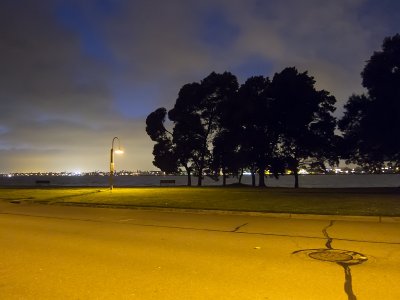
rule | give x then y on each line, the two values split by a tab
333	256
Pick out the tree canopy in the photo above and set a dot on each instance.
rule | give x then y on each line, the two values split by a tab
165	156
304	118
370	124
257	128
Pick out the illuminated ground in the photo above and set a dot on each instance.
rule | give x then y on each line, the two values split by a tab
334	201
62	252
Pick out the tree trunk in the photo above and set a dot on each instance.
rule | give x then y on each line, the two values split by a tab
223	178
296	179
189	176
296	174
240	176
253	179
261	178
200	178
204	150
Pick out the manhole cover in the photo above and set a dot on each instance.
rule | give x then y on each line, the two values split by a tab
334	255
330	256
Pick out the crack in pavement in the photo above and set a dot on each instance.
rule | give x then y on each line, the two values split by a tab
325	233
128	223
239	227
348	279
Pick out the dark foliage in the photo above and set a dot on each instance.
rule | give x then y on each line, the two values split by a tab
165	157
304	118
257	126
371	124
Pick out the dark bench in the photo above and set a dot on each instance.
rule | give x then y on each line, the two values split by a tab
42	181
167	182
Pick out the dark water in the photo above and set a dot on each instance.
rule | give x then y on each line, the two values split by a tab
309	181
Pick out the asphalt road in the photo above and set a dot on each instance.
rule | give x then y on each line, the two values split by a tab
60	252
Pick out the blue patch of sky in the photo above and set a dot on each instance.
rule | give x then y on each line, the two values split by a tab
253	66
74	18
384	12
135	101
216	30
107	7
3	129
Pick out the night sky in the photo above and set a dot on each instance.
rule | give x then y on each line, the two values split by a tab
74	74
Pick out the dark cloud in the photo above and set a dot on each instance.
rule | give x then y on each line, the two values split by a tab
74	74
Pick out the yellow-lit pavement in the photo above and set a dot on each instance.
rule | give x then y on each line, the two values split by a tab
60	252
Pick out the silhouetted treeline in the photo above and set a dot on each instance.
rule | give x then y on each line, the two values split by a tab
221	127
283	123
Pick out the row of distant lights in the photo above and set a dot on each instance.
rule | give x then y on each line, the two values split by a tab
340	171
43	174
64	174
78	173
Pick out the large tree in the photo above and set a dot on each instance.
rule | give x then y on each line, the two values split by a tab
170	153
197	116
304	118
165	157
370	124
187	130
257	126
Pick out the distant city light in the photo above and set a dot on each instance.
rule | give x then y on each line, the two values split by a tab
328	170
303	172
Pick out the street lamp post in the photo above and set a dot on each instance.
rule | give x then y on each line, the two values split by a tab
112	165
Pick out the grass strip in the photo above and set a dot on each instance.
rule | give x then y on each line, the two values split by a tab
350	201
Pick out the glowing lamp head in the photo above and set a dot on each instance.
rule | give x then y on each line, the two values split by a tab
119	151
